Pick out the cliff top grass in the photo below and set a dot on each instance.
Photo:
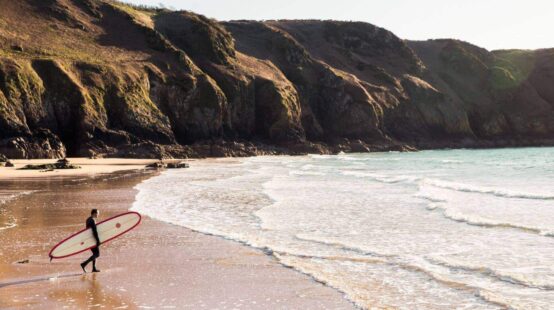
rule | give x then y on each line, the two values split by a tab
148	9
62	30
512	67
142	14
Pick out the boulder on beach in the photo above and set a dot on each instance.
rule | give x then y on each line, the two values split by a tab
178	165
156	165
60	164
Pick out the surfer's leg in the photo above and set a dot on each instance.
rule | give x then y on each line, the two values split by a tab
95	255
90	259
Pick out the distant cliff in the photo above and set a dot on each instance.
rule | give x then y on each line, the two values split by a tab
100	78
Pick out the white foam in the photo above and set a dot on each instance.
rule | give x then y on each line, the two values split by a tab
381	177
500	192
7	196
533	216
362	226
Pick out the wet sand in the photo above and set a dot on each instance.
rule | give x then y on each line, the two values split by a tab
156	266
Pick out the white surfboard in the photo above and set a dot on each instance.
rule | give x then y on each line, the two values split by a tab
107	230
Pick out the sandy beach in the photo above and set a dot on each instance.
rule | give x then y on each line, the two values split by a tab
156	266
89	167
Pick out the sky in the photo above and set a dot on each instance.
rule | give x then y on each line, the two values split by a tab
492	24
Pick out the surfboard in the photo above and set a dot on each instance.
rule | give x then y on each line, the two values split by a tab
83	240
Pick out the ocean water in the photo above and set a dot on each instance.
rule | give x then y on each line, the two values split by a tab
452	229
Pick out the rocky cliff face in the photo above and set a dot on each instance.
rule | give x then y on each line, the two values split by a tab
93	77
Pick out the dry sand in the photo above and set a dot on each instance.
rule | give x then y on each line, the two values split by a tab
157	265
88	167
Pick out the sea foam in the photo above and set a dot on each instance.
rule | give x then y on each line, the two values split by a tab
400	230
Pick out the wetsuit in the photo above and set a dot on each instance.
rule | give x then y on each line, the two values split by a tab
95	250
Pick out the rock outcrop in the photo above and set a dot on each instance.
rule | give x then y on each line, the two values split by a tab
60	164
102	78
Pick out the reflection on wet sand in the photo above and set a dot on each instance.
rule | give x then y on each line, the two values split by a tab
53	209
157	265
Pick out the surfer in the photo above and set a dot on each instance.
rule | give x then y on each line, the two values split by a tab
91	223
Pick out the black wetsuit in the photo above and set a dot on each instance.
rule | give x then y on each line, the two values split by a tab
95	250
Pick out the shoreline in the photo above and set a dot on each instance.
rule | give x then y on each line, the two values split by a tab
89	168
171	258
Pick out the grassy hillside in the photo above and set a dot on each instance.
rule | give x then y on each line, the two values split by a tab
100	77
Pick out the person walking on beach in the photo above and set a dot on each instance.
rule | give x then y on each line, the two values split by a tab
91	223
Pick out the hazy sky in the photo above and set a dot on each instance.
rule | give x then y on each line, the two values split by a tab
493	24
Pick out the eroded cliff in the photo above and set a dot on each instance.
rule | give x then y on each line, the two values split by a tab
92	77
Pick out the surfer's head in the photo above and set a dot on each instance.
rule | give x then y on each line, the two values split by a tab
94	213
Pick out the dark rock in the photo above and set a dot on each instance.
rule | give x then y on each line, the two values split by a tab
359	147
17	48
60	164
9	164
42	144
156	165
65	164
140	150
178	165
308	148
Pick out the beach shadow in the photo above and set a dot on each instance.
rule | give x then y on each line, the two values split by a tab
39	279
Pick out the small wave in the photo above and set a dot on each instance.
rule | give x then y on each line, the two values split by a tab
300	173
7	196
350	158
319	156
381	178
483	222
401	263
308	167
8	226
430	198
342	246
497	275
366	159
338	258
461	187
452	161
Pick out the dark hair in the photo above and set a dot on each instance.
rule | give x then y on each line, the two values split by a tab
94	211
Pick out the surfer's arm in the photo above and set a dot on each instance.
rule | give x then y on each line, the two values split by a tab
95	233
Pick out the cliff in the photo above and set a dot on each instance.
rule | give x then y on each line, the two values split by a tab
100	78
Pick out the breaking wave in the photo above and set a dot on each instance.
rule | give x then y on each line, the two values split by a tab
499	192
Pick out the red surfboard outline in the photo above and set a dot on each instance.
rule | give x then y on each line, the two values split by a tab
75	234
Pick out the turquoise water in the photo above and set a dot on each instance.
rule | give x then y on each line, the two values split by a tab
457	229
